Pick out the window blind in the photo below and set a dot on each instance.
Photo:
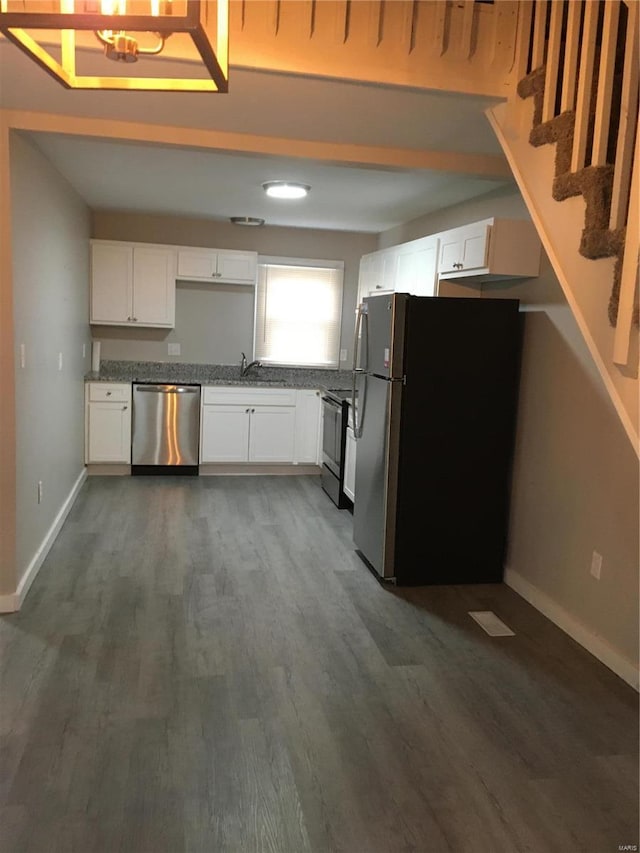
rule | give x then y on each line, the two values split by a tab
298	314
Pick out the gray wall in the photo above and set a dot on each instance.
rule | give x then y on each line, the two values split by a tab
50	227
575	483
214	324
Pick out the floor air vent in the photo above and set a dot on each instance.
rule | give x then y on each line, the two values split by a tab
489	622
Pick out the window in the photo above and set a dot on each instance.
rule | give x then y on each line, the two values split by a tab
298	312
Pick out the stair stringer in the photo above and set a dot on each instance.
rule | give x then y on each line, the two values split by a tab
586	283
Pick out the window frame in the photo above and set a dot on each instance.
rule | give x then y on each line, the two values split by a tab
277	260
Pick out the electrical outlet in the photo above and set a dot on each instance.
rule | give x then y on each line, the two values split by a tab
173	349
343	355
23	356
40	492
59	361
596	565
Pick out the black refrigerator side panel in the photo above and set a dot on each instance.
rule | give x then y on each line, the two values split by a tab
462	363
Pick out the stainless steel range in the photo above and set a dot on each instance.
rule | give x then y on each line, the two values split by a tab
336	414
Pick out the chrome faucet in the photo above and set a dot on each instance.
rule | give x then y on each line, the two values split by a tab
245	368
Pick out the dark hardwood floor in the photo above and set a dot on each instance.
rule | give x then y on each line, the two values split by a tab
206	665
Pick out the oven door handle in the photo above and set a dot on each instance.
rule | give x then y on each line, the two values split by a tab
329	402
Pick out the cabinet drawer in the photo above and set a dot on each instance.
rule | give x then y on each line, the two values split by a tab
105	392
242	396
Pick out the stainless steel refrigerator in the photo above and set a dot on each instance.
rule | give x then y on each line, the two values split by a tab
437	382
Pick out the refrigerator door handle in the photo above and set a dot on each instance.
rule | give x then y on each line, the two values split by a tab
364	329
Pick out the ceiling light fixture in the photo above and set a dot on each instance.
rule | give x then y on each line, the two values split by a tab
246	220
285	189
126	34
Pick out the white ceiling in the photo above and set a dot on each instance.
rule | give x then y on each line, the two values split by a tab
219	184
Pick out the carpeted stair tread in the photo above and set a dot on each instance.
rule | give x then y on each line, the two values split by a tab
532	86
559	131
594	183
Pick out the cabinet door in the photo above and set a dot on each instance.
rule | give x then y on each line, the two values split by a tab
111	283
308	415
237	267
475	246
197	264
108	432
154	287
377	273
272	434
450	253
417	267
349	485
389	269
464	248
224	433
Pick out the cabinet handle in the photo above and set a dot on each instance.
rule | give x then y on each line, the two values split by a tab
246	411
135	319
129	319
124	408
108	393
253	411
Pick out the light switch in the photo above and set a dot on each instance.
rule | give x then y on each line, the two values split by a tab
174	349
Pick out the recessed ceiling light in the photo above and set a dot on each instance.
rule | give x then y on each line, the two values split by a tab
285	189
246	220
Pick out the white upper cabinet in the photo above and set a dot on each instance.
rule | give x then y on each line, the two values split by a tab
197	264
464	248
407	268
492	249
489	250
217	265
132	285
154	286
417	267
377	272
111	283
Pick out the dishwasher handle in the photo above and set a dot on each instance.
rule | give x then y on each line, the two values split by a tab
168	389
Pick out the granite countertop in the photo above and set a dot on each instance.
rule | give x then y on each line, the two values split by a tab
219	374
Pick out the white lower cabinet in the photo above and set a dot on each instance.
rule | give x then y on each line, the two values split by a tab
237	424
272	434
225	433
248	425
308	449
108	423
349	485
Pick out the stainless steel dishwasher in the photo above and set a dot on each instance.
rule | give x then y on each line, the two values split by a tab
166	429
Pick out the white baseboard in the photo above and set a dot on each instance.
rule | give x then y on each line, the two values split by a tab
594	644
11	603
8	603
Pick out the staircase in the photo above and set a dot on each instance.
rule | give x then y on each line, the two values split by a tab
570	133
